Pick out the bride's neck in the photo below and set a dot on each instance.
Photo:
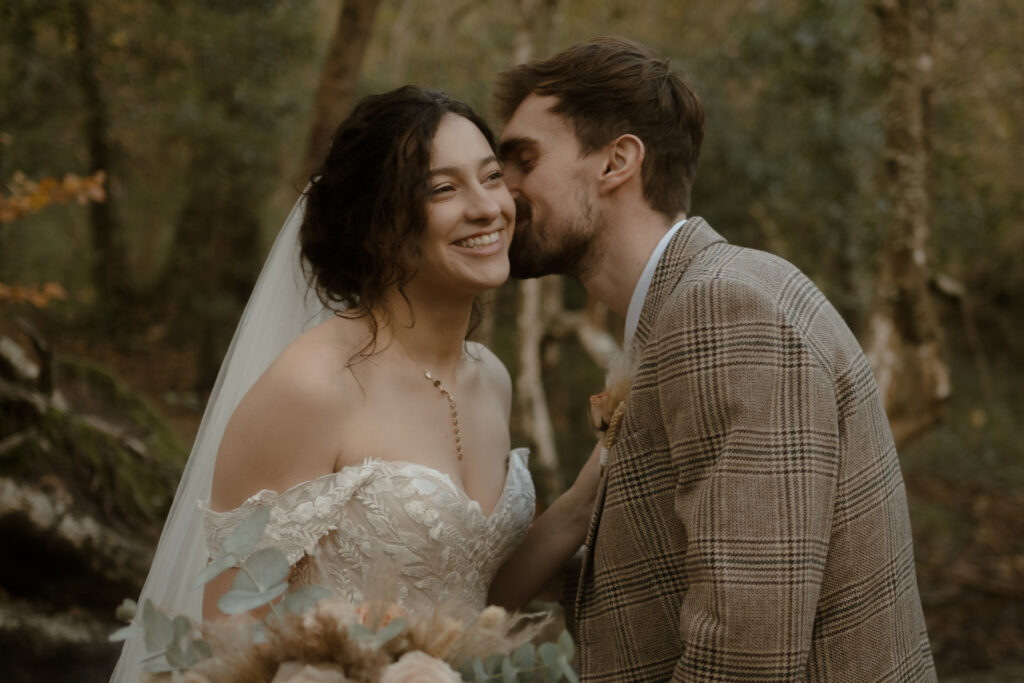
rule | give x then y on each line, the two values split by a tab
432	332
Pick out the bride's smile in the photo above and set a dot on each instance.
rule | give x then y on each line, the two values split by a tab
479	241
469	213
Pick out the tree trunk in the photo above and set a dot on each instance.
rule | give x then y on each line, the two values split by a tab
531	326
903	335
336	92
109	262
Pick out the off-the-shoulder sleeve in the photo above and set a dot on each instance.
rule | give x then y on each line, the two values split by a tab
299	517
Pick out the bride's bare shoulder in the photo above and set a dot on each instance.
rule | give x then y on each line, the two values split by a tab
319	358
287	428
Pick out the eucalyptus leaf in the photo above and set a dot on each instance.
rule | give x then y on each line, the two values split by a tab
175	656
524	656
243	539
190	653
182	626
360	632
568	671
267	567
239	601
466	670
159	631
566	647
392	629
216	566
478	669
180	653
204	650
123	633
548	653
493	664
508	671
551	668
156	663
303	598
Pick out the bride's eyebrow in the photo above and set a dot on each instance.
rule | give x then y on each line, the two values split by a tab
453	170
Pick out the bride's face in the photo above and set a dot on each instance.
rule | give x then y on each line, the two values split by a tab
470	213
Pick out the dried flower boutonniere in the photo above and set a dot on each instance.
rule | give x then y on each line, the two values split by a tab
608	407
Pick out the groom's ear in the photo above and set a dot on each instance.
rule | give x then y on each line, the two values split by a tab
624	158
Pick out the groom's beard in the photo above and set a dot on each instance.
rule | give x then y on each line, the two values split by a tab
567	250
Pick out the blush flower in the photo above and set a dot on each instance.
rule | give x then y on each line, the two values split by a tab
419	667
296	672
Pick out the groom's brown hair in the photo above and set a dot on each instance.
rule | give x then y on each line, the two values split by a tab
607	87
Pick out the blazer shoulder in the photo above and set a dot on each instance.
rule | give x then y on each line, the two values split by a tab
728	285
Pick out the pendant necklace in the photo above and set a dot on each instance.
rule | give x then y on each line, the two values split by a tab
447	394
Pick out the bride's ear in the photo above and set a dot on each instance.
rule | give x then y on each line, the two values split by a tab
624	158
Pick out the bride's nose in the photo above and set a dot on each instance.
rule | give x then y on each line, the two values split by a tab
482	205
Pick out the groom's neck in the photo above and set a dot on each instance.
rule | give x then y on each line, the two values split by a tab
620	254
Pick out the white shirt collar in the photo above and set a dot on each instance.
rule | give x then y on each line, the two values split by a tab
636	302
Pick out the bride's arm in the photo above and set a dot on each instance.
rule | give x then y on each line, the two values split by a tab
551	540
279	436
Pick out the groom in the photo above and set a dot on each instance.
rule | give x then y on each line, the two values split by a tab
752	521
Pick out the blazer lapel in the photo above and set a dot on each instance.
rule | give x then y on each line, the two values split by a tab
694	235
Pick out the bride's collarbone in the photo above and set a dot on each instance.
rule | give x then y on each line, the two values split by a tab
393	413
410	414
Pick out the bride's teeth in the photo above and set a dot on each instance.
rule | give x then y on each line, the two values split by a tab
481	241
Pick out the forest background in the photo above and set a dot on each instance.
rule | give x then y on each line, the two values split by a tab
150	150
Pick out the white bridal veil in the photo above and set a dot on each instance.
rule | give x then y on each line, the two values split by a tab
280	309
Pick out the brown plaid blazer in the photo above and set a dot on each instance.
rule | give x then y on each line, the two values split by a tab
752	522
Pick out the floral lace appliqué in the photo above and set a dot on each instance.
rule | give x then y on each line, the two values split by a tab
400	525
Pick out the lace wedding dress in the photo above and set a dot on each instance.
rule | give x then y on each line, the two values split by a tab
391	530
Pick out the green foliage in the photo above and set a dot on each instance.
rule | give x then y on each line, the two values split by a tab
550	662
380	637
174	643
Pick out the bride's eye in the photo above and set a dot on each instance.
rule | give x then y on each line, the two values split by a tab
441	189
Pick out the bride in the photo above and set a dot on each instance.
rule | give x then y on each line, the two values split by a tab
374	431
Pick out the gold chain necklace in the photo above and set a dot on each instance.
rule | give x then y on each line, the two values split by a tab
448	395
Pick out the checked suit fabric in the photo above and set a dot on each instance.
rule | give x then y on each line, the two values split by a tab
752	521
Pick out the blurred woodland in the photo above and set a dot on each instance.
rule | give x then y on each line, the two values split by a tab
150	150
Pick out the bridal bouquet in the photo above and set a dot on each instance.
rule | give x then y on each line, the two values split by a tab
311	636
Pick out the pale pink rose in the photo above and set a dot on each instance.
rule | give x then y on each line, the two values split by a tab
419	667
369	614
297	672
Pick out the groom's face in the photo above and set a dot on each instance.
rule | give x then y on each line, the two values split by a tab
550	180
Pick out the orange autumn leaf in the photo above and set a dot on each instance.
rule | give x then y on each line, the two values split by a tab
26	196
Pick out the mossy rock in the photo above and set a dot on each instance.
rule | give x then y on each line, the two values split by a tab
111	450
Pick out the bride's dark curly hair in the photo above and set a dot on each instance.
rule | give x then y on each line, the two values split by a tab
366	204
